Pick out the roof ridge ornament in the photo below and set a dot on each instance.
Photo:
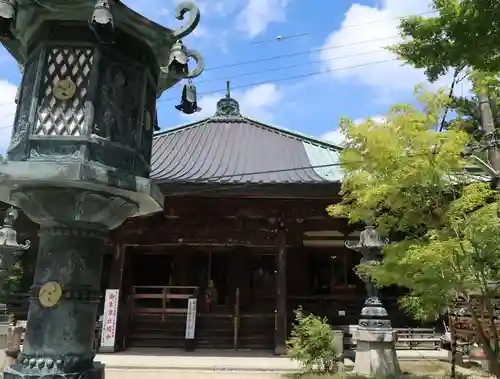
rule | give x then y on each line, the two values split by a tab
227	106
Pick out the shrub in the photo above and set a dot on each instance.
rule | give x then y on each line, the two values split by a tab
312	343
11	283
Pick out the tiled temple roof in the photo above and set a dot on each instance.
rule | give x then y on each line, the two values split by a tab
231	148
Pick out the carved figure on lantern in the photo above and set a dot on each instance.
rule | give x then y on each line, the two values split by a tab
113	97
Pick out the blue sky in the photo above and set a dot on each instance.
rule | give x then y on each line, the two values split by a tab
235	31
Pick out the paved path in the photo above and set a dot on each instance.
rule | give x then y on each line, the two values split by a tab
190	374
163	359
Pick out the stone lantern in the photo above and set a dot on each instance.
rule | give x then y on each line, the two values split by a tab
10	249
79	159
375	350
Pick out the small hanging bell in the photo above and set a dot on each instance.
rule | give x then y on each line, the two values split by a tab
8	11
102	23
178	60
188	103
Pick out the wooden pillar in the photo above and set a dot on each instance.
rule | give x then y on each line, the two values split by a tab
183	264
281	303
115	282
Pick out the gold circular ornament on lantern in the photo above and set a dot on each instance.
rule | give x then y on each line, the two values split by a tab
64	89
50	294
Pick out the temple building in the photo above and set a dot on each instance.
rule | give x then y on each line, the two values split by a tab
244	231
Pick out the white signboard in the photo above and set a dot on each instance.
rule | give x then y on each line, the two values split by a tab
108	333
191	319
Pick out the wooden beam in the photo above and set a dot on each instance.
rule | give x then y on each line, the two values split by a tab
236	221
247	208
281	304
202	244
223	230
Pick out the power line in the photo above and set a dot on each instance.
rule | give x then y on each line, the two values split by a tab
274	171
228	186
303	52
283	38
311	74
279	68
214	179
290	66
255	84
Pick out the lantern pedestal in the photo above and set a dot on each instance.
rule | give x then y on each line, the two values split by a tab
376	353
66	289
375	341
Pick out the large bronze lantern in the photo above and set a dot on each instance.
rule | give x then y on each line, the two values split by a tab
79	159
10	249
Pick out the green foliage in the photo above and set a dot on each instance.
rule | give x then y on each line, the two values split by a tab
411	181
312	343
465	33
395	172
12	283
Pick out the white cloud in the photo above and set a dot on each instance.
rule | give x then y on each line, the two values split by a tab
377	119
258	14
336	137
7	112
379	25
256	102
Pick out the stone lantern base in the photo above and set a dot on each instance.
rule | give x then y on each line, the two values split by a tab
376	352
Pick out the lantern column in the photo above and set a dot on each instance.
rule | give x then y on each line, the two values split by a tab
79	159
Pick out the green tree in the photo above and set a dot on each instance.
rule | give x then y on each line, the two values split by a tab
465	33
463	37
410	179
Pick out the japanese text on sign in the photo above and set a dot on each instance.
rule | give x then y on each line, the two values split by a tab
108	333
191	319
